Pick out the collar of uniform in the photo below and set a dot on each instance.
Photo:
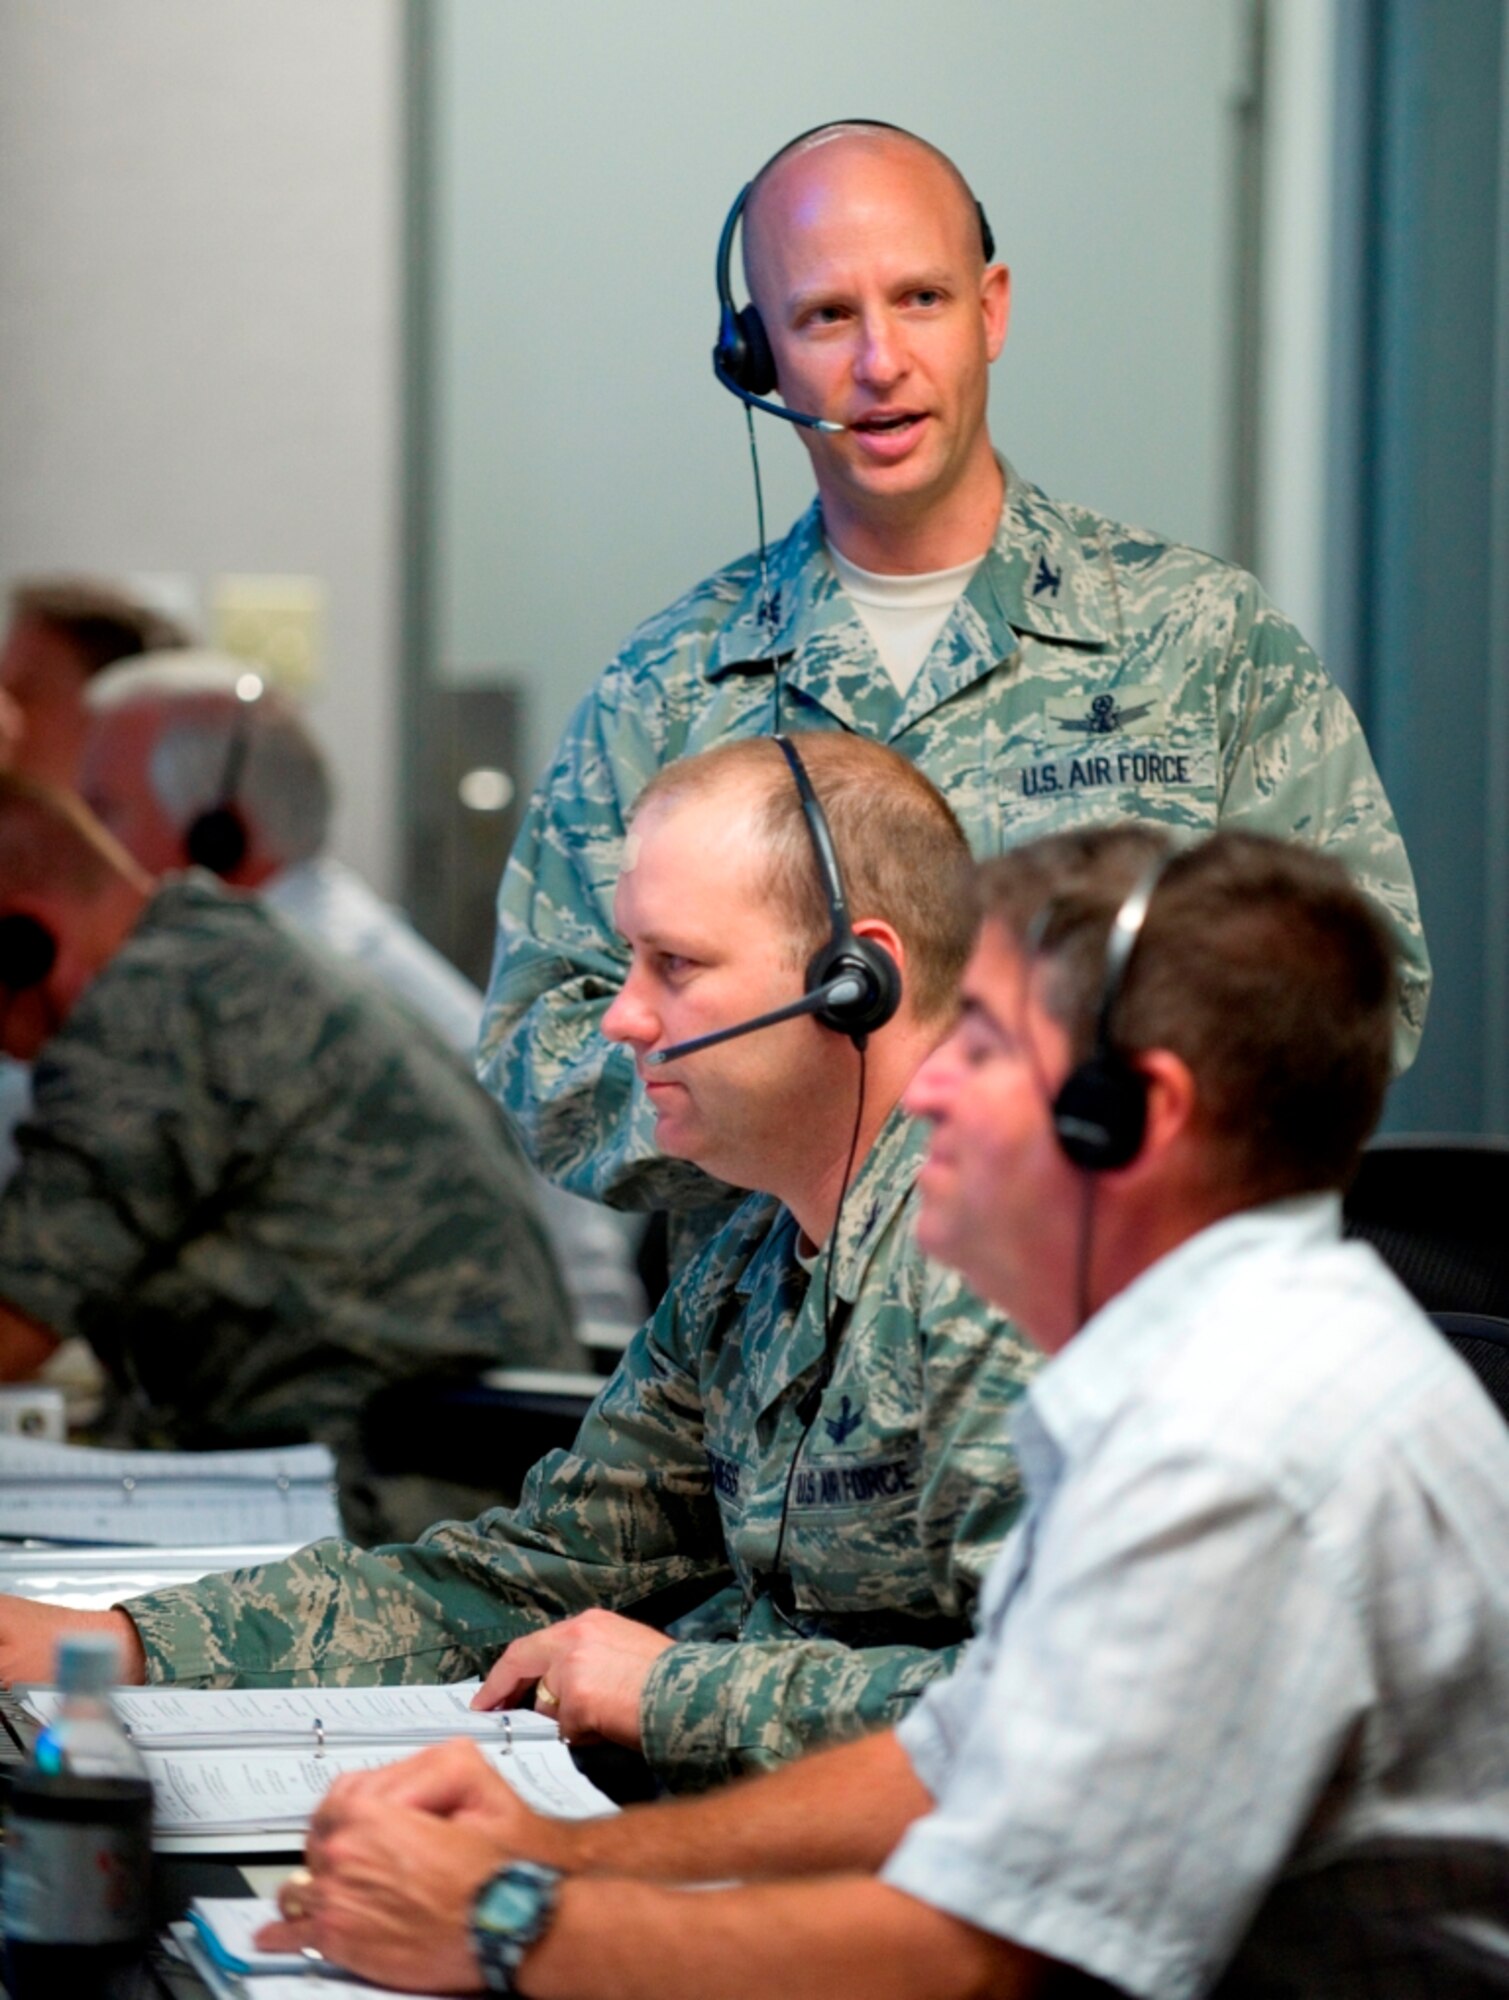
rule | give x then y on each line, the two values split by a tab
1040	575
802	582
880	1187
1129	1343
885	1179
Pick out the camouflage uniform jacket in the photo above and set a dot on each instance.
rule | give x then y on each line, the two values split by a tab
1090	672
260	1190
899	1499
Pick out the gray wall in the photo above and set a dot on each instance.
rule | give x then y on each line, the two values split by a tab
588	466
199	319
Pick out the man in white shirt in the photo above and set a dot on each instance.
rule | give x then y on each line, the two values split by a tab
1237	1718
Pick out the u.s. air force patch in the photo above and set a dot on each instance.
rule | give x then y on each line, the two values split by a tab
1116	739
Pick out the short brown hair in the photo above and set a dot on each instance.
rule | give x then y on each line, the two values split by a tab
101	621
901	852
1259	964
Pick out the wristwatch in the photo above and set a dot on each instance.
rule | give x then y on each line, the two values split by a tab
512	1912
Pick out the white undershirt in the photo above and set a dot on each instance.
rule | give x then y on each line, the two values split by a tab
903	614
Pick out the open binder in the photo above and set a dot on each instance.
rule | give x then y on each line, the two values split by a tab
244	1768
80	1493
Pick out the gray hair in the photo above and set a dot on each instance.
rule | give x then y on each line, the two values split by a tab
202	700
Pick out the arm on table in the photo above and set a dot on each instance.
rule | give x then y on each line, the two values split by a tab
399	1855
624	1515
25	1343
29	1635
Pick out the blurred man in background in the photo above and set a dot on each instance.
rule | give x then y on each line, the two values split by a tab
192	757
256	1186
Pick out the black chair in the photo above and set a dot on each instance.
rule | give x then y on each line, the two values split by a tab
1436	1209
481	1431
1483	1343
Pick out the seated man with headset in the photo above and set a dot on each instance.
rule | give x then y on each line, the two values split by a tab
257	1188
189	757
808	1442
1237	1717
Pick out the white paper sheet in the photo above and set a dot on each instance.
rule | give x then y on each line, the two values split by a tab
177	1718
261	1791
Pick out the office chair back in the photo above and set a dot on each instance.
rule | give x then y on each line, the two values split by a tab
1436	1209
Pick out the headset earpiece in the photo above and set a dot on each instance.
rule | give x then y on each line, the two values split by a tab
743	354
216	840
218	837
843	954
1100	1113
870	963
28	952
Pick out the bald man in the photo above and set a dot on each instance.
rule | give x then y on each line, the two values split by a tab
1045	667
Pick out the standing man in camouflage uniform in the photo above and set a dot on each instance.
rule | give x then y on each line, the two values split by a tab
256	1187
815	1414
1045	667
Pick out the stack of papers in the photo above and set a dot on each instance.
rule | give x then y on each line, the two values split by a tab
217	1942
77	1493
242	1769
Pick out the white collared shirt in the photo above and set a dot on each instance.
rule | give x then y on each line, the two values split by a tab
1239	1711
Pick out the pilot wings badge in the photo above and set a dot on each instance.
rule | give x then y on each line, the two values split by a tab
1126	712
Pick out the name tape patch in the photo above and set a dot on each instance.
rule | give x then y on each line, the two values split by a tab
1140	769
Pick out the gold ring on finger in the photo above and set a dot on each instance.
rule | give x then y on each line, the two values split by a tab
293	1896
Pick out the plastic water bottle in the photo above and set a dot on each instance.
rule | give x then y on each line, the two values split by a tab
78	1848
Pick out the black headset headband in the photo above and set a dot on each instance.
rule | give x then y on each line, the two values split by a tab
741	199
216	838
852	984
843	955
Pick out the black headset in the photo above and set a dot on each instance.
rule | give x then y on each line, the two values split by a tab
1100	1111
743	359
851	984
842	955
217	838
28	952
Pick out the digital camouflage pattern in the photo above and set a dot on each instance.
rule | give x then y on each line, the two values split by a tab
261	1189
1091	672
900	1499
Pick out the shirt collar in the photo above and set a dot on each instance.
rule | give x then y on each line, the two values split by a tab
1036	578
884	1181
1129	1342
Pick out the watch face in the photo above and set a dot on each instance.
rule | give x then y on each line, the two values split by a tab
510	1902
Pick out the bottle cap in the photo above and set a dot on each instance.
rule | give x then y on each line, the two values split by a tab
88	1663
